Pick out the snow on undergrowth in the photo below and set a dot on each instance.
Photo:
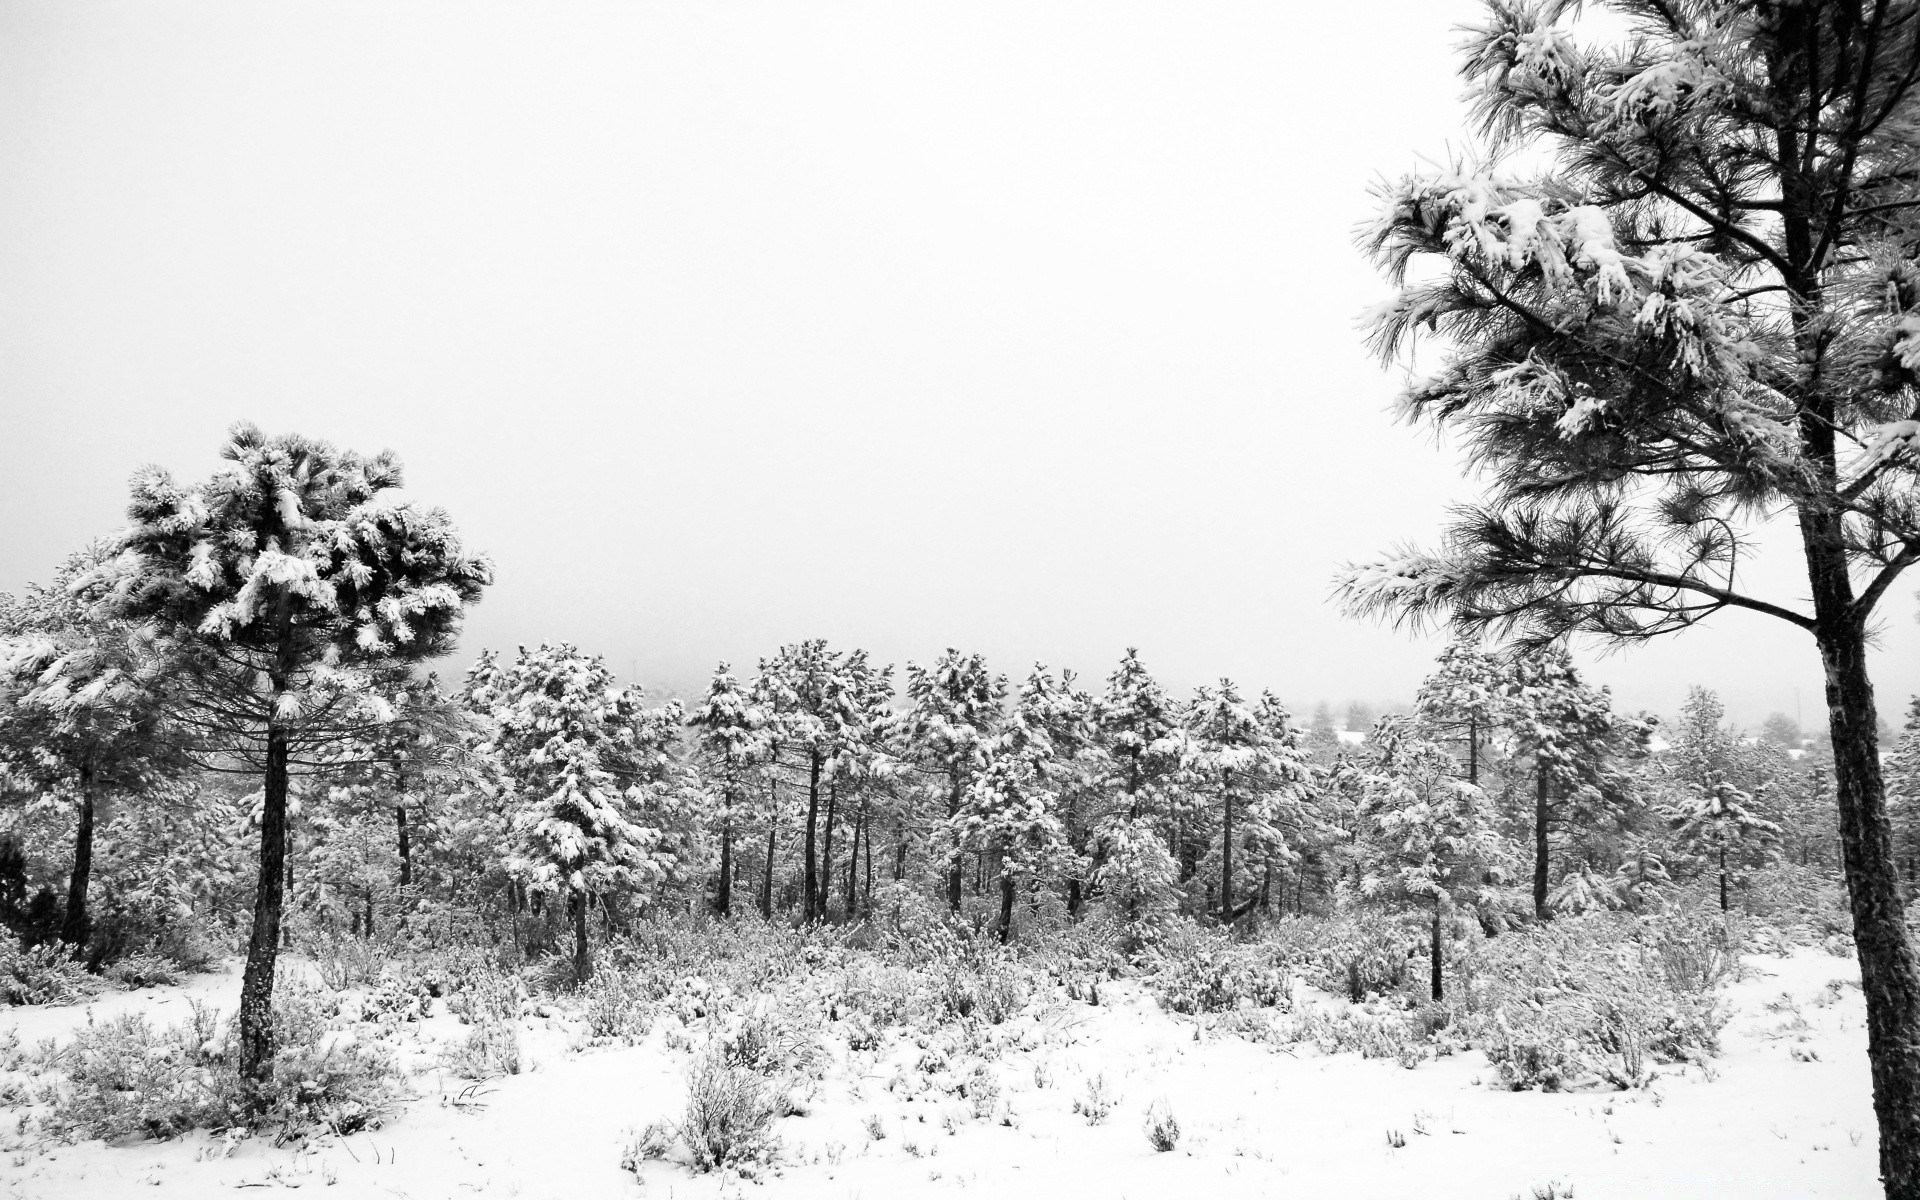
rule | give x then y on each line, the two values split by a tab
1598	1053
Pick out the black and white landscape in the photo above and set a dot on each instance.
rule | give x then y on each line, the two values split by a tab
849	600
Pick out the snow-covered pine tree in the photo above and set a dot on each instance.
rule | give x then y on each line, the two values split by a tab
381	785
84	715
1460	701
1243	763
1284	824
728	748
1701	313
1139	732
858	721
1716	819
806	689
954	712
1007	815
1427	837
275	588
583	758
1052	726
1576	744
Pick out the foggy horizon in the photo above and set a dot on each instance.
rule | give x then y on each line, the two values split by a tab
1023	331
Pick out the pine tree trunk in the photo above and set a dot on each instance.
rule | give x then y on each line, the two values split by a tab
866	901
1436	948
1473	750
723	902
582	953
1006	906
954	877
263	945
809	877
75	928
1888	973
1540	811
406	847
826	852
849	907
1723	876
1226	852
773	814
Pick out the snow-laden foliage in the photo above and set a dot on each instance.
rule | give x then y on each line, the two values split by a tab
597	803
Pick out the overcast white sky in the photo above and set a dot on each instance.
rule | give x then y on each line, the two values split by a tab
1023	327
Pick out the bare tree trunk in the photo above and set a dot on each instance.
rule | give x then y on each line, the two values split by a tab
809	879
1540	815
75	927
1436	948
406	847
1723	876
866	902
773	820
263	945
723	902
1226	850
1006	906
582	953
826	852
954	878
1887	968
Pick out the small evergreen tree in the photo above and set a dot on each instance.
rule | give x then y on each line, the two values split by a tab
1427	837
84	715
585	762
1718	818
955	709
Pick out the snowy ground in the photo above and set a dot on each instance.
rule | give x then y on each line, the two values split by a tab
1785	1112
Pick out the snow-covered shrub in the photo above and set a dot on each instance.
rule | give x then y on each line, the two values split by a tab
1163	1130
615	1006
729	1117
1794	905
1604	996
490	1049
1096	1101
1361	1030
396	1000
192	946
981	1087
775	1039
645	1145
44	974
125	1078
341	1085
346	960
1216	976
1352	955
142	970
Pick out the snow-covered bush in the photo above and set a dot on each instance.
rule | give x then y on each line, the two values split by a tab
616	1007
1096	1102
1351	955
141	970
1215	976
651	1142
1162	1128
125	1078
729	1117
773	1039
43	974
345	960
1601	997
490	1049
